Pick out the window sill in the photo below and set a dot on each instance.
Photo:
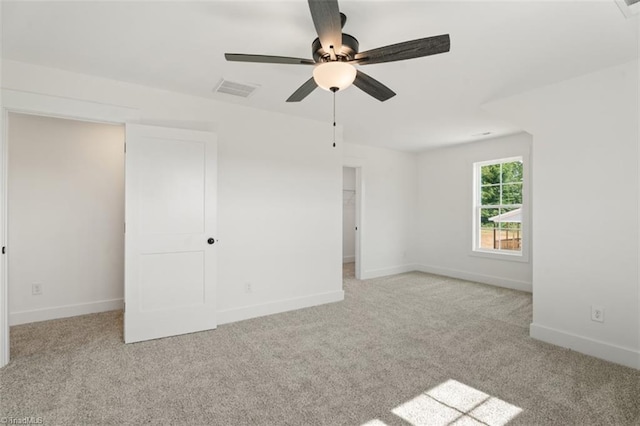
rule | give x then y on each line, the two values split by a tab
510	257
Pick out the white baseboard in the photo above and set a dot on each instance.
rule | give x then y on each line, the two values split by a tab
348	259
613	353
36	315
377	273
248	312
480	278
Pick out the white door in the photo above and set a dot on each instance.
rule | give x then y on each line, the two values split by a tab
170	231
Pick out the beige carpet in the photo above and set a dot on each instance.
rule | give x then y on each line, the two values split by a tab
407	349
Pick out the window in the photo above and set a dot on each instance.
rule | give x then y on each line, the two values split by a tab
498	206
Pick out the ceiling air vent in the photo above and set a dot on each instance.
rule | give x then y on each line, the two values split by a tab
235	89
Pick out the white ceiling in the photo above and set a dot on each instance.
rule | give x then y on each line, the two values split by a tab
497	49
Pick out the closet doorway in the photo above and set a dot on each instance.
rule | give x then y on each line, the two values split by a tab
42	298
65	217
351	207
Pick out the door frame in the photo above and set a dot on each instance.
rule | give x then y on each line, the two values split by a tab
47	106
358	165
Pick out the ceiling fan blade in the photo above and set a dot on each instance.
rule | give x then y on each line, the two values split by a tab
328	23
303	91
266	59
373	87
406	50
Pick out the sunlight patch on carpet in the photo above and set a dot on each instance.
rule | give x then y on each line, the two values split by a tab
376	422
454	403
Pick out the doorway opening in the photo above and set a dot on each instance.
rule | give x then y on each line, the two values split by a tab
65	217
351	196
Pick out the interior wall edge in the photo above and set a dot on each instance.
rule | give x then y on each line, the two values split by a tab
385	272
603	350
480	278
58	312
254	311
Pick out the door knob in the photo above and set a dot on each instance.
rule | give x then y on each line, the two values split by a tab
211	241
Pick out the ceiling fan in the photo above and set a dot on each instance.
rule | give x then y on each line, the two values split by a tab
335	54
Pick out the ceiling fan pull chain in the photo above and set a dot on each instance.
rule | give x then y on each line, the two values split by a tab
334	116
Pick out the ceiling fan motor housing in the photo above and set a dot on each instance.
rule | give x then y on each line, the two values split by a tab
346	52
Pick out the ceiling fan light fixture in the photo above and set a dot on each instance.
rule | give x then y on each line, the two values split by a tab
334	74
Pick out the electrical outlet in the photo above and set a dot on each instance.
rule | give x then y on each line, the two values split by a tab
36	289
597	313
247	287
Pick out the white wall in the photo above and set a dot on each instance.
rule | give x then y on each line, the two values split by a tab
348	214
4	290
279	204
585	210
66	216
280	214
445	212
389	210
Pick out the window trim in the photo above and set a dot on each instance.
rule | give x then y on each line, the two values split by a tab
523	254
